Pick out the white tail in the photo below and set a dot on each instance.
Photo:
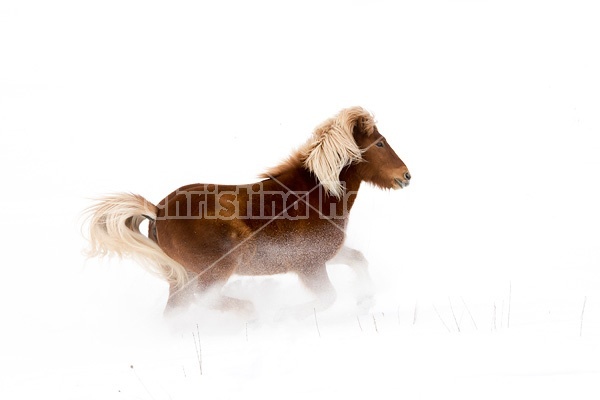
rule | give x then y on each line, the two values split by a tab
114	223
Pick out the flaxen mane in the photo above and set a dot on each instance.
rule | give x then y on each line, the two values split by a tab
330	149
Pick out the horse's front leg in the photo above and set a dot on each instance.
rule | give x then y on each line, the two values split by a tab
316	280
364	286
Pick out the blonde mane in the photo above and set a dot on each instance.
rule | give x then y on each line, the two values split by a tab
330	149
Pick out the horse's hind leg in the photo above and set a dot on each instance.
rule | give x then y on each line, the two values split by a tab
179	297
227	303
208	284
212	283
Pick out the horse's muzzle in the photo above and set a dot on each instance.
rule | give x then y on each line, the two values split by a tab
402	183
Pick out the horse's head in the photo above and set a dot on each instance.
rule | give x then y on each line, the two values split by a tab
348	139
380	165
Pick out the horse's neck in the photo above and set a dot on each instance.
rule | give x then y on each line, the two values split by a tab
351	183
301	180
350	178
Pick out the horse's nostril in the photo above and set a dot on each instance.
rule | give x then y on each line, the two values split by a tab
407	176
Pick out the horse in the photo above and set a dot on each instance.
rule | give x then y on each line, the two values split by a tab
293	220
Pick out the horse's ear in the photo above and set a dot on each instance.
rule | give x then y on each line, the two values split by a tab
365	124
361	123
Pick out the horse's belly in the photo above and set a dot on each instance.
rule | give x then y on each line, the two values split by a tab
288	256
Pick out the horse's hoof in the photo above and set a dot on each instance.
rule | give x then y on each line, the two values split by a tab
294	313
365	304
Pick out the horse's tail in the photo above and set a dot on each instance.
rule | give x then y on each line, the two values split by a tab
114	223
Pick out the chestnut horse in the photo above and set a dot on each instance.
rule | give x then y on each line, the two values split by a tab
293	220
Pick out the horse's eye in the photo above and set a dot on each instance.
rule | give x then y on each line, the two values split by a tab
379	144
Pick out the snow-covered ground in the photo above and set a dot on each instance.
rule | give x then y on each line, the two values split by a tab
487	268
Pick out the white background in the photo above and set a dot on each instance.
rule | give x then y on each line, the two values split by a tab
494	106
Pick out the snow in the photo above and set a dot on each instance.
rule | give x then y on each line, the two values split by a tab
486	268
